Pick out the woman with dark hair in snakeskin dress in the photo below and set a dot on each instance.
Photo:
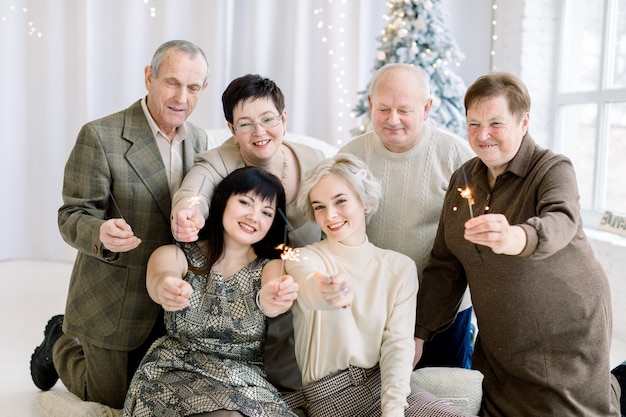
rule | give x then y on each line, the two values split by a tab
210	363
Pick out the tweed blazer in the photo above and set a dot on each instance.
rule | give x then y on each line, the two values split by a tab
108	304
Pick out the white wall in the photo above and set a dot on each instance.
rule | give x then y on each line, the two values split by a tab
470	25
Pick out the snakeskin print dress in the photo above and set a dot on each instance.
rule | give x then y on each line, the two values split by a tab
212	356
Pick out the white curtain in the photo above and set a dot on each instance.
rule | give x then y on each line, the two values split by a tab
66	62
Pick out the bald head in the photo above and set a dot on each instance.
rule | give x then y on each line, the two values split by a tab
399	102
406	72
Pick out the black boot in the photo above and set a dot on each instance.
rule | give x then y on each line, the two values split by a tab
41	366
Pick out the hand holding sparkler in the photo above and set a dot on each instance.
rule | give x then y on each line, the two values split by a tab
116	235
276	295
335	289
494	231
187	219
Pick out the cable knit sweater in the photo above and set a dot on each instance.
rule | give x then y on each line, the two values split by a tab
414	185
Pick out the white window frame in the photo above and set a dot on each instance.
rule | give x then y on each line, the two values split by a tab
602	97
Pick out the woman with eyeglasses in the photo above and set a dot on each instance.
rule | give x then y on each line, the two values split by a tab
254	108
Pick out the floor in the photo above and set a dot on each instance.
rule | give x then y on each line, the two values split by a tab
34	292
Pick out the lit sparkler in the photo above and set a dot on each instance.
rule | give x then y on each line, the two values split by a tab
288	254
195	200
467	193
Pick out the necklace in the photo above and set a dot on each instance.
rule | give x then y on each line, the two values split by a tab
283	179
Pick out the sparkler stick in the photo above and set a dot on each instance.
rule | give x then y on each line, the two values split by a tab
288	252
293	230
195	200
466	193
115	204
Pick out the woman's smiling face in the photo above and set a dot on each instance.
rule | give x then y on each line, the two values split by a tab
338	210
494	133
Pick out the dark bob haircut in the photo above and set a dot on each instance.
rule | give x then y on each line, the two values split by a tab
250	87
242	181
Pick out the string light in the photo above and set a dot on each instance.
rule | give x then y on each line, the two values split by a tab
494	36
152	9
334	36
33	32
32	29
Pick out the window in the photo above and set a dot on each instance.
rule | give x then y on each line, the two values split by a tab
591	101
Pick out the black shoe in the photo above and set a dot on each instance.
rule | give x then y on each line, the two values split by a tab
620	373
41	366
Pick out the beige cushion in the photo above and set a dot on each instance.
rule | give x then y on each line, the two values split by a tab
66	404
463	387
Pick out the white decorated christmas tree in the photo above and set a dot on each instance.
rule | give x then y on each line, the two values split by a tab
416	33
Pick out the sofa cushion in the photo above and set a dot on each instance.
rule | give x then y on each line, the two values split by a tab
463	387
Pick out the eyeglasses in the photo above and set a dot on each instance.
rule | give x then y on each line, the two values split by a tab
266	123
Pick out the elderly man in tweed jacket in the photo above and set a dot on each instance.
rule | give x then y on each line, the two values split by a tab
117	190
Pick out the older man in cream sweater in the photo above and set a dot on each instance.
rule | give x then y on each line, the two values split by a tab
414	161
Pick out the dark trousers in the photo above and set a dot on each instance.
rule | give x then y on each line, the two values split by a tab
96	374
452	347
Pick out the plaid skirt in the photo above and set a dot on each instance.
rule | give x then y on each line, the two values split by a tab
356	392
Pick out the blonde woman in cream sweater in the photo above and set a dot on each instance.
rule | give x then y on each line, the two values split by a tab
355	312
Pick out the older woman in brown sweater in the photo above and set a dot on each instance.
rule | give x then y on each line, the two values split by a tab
541	298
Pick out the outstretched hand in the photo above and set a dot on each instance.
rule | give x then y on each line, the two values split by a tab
494	231
186	223
277	296
335	289
173	293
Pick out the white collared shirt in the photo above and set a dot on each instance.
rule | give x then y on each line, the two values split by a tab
171	152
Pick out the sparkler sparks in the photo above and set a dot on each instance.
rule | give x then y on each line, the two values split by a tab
467	193
194	201
288	253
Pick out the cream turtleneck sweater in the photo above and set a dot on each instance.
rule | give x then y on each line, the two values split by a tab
377	328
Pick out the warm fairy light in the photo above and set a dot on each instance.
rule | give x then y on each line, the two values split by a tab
467	193
494	36
334	37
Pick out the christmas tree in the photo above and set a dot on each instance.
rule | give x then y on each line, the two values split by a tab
416	34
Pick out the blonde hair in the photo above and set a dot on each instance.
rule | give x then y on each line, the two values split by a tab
353	171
